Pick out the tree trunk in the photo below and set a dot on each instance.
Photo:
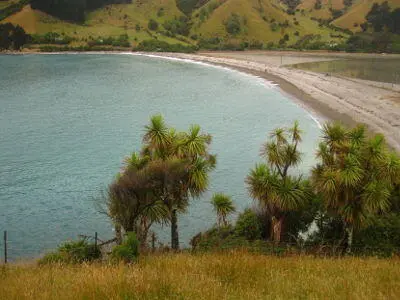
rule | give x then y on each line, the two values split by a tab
118	234
276	229
349	230
174	230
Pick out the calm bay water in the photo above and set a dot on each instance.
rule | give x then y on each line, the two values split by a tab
67	122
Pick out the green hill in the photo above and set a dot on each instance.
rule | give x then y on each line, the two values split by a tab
257	23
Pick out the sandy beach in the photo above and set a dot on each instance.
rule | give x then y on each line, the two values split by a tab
328	97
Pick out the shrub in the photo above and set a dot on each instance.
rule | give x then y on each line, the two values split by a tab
161	46
73	252
248	225
160	12
178	25
218	238
232	25
128	251
12	9
51	38
51	258
153	25
274	27
121	41
318	4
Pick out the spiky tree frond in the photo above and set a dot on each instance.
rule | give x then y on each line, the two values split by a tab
279	136
390	168
334	135
376	196
351	174
296	133
355	174
157	135
223	206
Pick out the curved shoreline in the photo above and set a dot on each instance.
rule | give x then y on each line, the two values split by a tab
347	100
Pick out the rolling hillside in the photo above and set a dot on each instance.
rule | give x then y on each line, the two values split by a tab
257	22
357	12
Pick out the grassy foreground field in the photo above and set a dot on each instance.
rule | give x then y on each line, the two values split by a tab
236	275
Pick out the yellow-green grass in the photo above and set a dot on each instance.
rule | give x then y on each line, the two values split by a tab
256	28
356	14
236	275
112	20
324	12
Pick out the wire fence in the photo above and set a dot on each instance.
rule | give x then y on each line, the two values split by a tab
9	253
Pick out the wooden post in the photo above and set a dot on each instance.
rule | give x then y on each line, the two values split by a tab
5	246
153	241
95	240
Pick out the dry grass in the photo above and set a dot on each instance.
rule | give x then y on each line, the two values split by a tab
234	275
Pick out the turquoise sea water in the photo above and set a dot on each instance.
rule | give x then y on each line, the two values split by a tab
68	121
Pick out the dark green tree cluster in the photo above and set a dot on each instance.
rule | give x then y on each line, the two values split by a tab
187	6
381	18
291	5
13	8
353	195
158	182
71	10
353	192
152	25
161	46
12	37
120	41
51	38
233	25
179	25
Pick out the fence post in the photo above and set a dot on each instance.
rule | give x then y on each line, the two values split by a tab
153	241
95	240
5	246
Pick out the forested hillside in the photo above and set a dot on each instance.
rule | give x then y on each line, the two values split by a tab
211	24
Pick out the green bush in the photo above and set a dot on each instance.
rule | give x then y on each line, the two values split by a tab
73	252
161	46
179	26
248	225
128	251
381	237
232	25
51	38
152	25
51	258
217	238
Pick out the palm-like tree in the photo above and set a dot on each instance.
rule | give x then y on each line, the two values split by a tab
355	175
270	183
223	206
190	148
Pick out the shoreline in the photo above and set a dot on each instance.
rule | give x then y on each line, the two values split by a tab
323	96
333	98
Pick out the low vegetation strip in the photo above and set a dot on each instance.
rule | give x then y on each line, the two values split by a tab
234	275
